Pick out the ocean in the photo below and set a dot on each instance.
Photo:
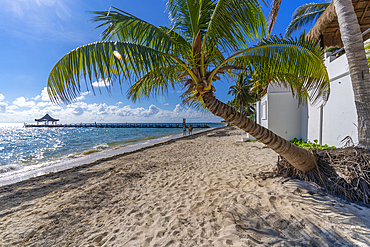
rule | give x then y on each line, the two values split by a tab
29	152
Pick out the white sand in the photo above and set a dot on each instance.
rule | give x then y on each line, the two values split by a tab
197	191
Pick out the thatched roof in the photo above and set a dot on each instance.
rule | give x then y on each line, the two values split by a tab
327	28
46	118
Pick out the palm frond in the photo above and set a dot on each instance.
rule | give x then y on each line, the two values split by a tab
122	26
294	63
275	6
98	61
234	24
190	16
194	100
155	82
308	8
305	15
243	96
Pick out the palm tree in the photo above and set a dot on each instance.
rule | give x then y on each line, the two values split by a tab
243	97
359	71
305	15
205	40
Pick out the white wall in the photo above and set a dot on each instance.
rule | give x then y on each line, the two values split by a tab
304	122
339	116
314	123
283	116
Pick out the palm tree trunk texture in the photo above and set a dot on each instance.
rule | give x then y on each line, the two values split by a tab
358	68
300	158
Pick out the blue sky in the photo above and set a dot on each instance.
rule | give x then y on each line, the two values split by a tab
35	34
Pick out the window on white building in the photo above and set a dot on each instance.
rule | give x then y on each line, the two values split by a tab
264	110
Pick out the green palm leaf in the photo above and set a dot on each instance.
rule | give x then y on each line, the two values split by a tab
305	15
155	82
122	26
195	101
234	24
243	96
294	63
97	61
190	16
308	8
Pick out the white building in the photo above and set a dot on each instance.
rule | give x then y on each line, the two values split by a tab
337	119
329	123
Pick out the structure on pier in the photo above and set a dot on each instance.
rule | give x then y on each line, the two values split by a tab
46	119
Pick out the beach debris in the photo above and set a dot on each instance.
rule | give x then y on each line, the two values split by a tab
342	171
347	142
266	175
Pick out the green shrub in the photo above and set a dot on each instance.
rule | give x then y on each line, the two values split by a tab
309	144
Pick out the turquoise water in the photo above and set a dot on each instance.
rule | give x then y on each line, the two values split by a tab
27	147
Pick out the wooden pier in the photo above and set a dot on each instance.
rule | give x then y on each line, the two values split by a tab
103	125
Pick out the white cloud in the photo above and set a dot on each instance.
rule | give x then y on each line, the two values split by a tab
21	101
13	107
178	109
102	109
44	95
80	111
43	104
139	112
82	96
102	83
78	108
3	107
2	97
152	111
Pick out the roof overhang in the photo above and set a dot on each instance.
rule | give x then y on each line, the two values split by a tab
327	30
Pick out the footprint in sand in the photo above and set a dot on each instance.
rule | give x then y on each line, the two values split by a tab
275	201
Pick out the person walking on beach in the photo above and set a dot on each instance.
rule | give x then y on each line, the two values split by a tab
190	129
184	130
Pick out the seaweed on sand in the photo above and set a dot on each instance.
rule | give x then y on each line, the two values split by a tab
342	171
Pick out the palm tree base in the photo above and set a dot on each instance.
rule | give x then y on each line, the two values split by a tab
336	172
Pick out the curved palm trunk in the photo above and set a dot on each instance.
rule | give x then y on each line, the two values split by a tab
358	68
300	158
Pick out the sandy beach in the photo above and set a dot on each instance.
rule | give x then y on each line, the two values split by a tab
202	190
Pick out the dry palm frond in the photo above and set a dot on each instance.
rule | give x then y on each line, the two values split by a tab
347	142
273	13
343	171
